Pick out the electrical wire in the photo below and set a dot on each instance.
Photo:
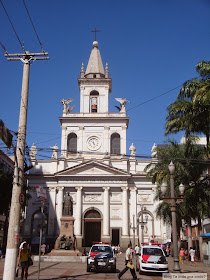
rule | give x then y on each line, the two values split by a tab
149	100
13	27
33	27
192	160
3	47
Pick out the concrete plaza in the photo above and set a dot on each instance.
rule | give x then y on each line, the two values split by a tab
77	271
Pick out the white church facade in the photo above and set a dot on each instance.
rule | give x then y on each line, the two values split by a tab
109	189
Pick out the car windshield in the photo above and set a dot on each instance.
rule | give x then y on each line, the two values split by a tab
105	249
152	251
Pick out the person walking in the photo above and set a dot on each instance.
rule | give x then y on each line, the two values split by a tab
43	249
23	260
192	255
128	263
182	255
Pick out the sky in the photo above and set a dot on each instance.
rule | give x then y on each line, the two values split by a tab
151	47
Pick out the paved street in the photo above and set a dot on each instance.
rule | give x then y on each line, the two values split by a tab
77	271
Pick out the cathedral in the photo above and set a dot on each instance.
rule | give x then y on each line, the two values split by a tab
112	200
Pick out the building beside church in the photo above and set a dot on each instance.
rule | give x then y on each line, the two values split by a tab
109	189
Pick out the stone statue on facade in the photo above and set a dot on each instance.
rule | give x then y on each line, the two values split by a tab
33	152
55	152
133	151
65	102
68	205
154	150
122	104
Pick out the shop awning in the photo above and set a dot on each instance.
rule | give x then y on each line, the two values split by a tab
204	235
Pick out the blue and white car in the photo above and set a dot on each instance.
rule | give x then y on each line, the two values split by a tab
101	257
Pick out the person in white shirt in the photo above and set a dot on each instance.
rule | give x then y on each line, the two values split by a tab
128	258
192	255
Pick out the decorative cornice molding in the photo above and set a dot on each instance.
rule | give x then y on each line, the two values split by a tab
106	188
124	188
79	188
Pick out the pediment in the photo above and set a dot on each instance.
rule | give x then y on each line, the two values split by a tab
93	168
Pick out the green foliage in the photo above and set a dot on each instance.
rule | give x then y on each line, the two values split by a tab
190	163
191	111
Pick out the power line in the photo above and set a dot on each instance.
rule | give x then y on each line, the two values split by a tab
147	101
192	160
3	47
33	27
12	26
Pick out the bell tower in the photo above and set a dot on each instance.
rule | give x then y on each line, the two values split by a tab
95	84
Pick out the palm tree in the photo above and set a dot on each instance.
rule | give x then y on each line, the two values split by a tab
190	162
191	111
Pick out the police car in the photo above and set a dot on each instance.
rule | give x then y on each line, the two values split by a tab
101	257
152	259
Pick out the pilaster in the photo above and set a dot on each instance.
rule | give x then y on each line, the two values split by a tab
52	209
59	208
78	216
106	218
125	210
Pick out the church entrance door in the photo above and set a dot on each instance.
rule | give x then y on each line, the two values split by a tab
92	227
115	237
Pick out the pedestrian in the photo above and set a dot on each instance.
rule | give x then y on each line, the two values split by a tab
182	255
21	245
192	255
23	260
168	251
128	263
85	252
43	249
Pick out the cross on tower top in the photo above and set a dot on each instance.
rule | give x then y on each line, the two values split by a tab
95	32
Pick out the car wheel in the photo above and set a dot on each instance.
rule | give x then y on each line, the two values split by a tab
88	268
113	269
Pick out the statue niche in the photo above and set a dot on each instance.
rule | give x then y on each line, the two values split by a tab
68	205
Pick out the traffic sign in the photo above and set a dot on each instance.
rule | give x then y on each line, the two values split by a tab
22	199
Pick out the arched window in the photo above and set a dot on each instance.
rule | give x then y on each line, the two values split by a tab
115	143
72	143
94	101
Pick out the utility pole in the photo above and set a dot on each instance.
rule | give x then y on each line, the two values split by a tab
14	221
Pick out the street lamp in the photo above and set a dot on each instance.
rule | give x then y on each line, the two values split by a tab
133	228
142	223
172	201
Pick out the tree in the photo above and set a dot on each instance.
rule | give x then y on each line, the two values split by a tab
190	162
191	111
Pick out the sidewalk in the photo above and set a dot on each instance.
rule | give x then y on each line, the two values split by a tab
77	271
189	267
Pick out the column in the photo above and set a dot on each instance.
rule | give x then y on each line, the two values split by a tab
80	139
123	139
64	142
106	139
59	206
125	210
52	209
106	223
78	216
133	204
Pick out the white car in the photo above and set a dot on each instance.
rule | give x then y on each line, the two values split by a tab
152	259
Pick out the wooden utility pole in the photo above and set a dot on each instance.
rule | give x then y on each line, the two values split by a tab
14	220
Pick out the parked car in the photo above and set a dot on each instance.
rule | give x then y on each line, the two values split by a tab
152	259
101	256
